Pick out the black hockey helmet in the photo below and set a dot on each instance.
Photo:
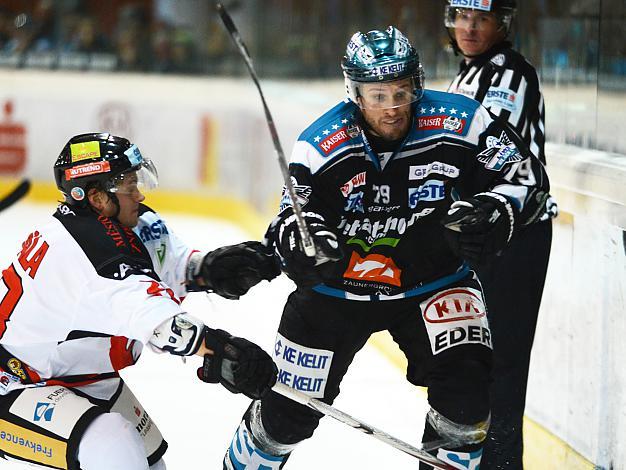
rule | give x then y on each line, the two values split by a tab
504	9
100	160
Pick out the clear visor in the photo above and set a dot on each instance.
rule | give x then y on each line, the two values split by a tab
384	95
143	179
465	18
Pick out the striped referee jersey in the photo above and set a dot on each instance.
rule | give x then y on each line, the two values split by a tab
508	86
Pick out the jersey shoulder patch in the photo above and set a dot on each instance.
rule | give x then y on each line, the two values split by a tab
443	113
334	130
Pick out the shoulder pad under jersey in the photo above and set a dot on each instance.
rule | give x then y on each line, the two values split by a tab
334	130
444	113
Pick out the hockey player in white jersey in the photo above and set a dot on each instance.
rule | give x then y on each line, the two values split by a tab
100	280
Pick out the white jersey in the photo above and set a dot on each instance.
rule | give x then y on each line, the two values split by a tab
84	295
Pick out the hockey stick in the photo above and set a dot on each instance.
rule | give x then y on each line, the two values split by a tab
18	193
307	241
419	453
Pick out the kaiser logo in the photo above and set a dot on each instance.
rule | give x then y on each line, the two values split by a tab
449	123
333	140
374	268
354	182
87	169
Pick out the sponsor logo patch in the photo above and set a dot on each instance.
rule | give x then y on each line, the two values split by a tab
334	140
43	412
418	172
455	316
431	190
502	97
304	369
374	268
87	169
484	5
442	121
84	151
354	182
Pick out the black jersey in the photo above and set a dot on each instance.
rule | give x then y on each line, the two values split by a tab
387	208
507	85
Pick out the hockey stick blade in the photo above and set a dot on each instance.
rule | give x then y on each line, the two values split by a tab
321	407
307	241
18	193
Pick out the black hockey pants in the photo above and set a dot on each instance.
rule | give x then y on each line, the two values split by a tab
513	286
457	374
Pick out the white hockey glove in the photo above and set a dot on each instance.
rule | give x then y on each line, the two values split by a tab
479	227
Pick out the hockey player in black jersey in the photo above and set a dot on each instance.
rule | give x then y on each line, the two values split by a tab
103	277
508	86
398	185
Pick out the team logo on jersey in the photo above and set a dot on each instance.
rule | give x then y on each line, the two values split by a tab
354	182
456	316
431	190
374	268
355	203
418	172
303	193
498	59
499	152
43	411
502	97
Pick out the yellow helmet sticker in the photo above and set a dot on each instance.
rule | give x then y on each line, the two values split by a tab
85	151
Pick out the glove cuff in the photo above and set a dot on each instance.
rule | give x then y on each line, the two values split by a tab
505	204
193	273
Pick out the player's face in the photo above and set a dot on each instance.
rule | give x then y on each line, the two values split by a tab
386	107
129	196
476	31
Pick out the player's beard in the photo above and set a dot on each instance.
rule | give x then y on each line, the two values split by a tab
390	124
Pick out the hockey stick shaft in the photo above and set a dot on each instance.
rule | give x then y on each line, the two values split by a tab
307	241
419	453
15	195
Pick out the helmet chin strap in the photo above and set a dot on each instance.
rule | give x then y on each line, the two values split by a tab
115	201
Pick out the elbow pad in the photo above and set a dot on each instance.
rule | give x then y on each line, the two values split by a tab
181	335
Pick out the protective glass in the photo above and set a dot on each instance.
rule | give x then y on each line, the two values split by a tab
141	179
465	18
384	95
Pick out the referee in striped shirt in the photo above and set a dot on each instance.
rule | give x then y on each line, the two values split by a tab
507	85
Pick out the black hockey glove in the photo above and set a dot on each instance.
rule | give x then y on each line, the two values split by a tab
302	269
238	364
231	270
479	227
